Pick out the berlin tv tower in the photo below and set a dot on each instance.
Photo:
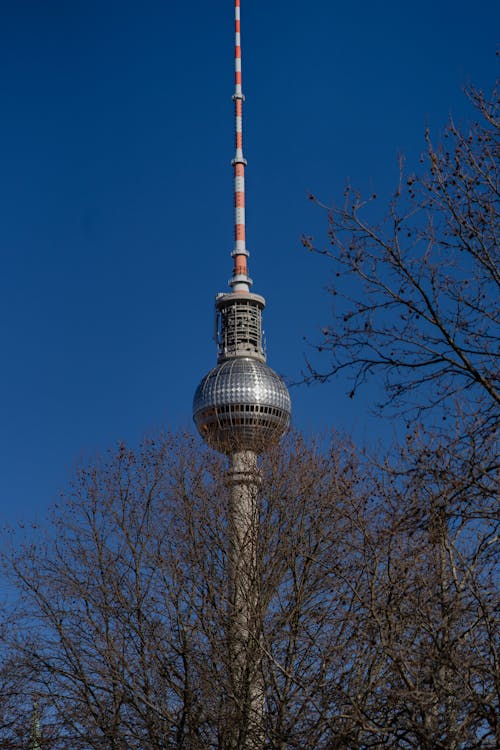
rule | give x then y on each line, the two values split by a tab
241	408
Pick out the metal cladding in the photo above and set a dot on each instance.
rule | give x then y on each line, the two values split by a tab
241	405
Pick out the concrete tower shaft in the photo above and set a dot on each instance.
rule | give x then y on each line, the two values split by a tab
245	608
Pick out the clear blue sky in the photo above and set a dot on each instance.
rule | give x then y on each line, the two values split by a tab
116	136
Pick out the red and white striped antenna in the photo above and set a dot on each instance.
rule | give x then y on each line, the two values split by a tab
240	281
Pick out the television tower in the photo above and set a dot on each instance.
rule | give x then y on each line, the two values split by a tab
241	408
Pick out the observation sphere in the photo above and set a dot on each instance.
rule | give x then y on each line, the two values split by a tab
241	405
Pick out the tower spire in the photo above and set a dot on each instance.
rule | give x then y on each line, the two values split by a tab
240	281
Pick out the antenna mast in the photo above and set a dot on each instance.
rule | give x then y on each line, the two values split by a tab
240	281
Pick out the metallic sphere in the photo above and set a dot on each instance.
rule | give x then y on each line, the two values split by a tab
241	405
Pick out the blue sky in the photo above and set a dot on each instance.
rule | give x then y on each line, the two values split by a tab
116	138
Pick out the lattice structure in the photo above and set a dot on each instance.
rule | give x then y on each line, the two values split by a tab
239	326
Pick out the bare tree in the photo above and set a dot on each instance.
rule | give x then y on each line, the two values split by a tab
115	597
387	635
416	299
130	591
434	608
375	601
16	697
416	288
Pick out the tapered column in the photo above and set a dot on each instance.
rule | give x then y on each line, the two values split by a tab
246	711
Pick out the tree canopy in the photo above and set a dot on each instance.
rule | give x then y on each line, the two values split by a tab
376	604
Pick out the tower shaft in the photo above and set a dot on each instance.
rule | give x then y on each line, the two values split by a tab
246	713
